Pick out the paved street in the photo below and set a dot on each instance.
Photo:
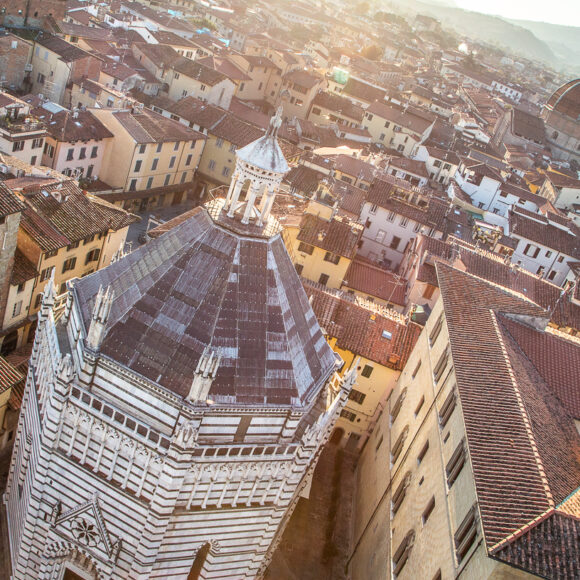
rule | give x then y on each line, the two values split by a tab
316	541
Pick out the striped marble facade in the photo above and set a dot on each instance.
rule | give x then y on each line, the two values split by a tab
113	476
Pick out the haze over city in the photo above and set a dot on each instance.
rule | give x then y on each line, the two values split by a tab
289	290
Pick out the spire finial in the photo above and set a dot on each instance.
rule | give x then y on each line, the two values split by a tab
275	123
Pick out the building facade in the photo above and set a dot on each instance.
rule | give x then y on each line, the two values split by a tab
205	426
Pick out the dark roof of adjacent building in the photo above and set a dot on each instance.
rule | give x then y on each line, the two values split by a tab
363	91
167	37
60	213
303	78
537	228
118	70
528	126
443	155
66	51
70	127
225	67
303	179
338	235
494	268
9	376
409	166
411	118
195	70
162	55
204	284
197	111
146	126
523	444
377	282
433	214
9	203
362	327
338	104
22	270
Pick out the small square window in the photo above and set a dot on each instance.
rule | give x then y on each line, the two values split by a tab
367	371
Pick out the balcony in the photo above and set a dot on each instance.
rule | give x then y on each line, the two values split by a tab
20	126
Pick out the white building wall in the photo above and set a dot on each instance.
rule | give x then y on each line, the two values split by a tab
548	259
382	228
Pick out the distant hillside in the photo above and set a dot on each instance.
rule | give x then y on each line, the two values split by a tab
564	41
490	29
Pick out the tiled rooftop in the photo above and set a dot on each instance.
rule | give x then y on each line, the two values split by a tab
524	447
190	288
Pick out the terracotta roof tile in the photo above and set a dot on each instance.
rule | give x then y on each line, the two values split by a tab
338	104
9	203
54	224
524	447
339	235
303	78
9	376
413	119
549	548
363	91
375	282
69	127
195	70
364	328
66	51
433	215
147	126
537	229
22	270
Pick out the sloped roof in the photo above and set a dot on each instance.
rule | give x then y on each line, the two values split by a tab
539	230
203	285
66	51
53	224
147	126
548	548
363	327
434	215
528	126
375	282
9	203
70	127
411	118
9	376
23	269
363	91
195	70
339	236
338	104
523	445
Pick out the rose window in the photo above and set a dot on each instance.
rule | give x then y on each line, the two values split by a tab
84	532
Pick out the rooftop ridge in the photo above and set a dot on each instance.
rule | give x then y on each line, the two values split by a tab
523	410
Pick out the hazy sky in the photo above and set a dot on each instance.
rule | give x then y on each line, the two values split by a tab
565	12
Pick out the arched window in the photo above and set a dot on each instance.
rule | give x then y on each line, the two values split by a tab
199	561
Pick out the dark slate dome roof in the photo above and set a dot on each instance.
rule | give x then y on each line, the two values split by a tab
202	284
566	100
